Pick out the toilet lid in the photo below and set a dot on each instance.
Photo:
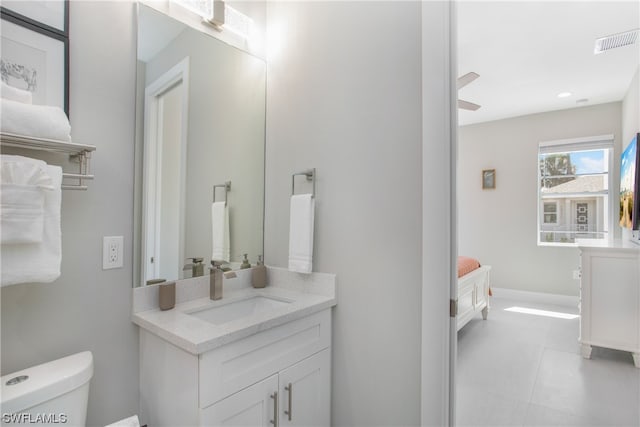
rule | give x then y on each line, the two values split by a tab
45	382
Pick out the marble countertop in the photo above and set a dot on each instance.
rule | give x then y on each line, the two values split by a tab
305	295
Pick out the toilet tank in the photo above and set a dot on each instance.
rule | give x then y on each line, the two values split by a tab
54	393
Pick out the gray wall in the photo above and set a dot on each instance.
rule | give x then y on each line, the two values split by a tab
344	96
499	226
88	308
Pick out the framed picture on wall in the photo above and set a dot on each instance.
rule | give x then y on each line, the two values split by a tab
52	15
35	59
488	179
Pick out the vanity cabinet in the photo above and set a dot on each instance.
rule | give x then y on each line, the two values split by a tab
610	299
276	377
297	396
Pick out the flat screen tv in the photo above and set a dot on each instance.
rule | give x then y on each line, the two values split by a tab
630	186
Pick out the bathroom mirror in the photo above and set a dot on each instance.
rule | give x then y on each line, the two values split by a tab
200	123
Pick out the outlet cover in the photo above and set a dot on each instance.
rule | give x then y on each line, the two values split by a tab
112	252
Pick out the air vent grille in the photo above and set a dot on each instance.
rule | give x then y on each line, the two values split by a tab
615	40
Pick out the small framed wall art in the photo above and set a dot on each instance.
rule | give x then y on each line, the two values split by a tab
489	179
35	57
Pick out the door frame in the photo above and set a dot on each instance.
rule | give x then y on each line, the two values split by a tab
151	174
439	226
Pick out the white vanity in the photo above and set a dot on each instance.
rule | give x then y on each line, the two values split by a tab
610	297
257	357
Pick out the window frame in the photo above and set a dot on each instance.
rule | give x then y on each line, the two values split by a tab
601	142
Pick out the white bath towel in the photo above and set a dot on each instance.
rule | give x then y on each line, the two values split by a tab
15	94
37	262
38	121
220	232
301	220
23	183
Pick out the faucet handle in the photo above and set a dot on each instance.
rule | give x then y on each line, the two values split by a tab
194	263
218	264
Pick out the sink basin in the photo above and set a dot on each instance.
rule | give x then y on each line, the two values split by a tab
239	309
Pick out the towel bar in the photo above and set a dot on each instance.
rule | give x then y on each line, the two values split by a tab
311	176
227	188
80	153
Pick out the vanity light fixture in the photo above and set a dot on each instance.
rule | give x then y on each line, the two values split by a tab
219	15
211	11
564	94
237	22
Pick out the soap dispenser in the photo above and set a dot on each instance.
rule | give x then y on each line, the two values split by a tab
245	263
259	274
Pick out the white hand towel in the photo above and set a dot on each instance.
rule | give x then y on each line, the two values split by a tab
37	262
220	232
38	121
23	184
301	233
15	94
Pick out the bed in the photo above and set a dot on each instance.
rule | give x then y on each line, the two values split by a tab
473	290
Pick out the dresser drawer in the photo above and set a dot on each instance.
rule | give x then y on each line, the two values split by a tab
235	366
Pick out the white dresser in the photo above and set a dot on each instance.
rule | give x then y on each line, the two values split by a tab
610	297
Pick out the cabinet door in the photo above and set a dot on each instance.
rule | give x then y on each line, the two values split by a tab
305	392
253	406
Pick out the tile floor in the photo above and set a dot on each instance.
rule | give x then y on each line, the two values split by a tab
526	370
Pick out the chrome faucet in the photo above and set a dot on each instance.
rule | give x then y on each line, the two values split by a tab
216	275
196	266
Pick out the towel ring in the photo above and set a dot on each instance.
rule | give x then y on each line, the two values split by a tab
227	188
311	176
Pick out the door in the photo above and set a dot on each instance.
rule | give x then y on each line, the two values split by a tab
164	174
254	406
305	392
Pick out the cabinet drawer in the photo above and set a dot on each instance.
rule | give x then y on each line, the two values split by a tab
235	366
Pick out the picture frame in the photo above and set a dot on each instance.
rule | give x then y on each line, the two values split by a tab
488	179
35	59
51	15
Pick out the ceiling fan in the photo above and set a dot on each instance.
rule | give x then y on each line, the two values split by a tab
462	82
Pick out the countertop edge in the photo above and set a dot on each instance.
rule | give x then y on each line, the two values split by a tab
244	332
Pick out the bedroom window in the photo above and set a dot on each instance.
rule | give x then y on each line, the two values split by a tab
550	210
573	190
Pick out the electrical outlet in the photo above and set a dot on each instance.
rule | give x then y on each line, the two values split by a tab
112	256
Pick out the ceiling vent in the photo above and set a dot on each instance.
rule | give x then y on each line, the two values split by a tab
615	40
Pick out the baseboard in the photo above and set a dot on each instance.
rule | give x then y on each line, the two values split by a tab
539	297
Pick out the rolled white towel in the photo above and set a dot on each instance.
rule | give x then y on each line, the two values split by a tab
38	121
15	94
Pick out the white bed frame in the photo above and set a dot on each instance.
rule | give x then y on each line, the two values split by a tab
473	295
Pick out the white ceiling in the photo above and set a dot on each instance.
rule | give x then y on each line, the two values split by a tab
528	52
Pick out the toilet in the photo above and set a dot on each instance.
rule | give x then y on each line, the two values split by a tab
54	393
